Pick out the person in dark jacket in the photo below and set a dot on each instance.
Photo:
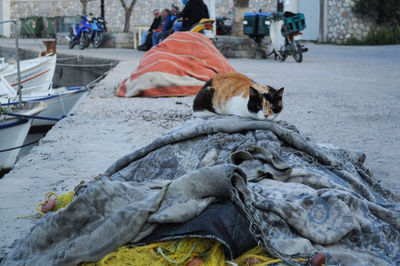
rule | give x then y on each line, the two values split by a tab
148	41
193	12
164	27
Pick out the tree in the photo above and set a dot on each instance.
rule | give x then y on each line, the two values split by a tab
84	6
239	8
128	13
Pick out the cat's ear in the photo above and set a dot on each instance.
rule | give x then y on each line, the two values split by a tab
280	92
253	92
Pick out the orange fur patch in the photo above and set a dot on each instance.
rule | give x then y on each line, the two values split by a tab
228	85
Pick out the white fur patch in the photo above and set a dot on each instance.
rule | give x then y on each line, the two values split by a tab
237	105
273	117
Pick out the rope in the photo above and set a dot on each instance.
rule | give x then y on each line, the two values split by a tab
159	249
184	251
10	149
60	202
36	117
80	65
174	252
97	80
263	258
67	58
62	103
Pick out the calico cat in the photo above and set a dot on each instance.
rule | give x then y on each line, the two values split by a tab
235	94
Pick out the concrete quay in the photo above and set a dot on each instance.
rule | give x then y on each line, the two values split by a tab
345	96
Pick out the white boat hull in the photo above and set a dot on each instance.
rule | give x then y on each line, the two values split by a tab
58	106
13	132
60	103
10	137
33	71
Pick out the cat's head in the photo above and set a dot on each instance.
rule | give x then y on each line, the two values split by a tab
266	102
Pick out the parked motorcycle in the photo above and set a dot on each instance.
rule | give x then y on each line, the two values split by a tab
202	25
222	28
292	26
79	34
97	34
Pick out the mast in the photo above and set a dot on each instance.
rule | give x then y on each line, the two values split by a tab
17	58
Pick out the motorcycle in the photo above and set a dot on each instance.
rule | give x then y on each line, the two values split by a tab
79	34
202	25
98	28
292	26
223	29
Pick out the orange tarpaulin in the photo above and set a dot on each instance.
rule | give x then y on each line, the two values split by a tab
178	66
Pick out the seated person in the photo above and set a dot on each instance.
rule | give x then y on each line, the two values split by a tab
169	24
164	27
193	12
174	13
147	35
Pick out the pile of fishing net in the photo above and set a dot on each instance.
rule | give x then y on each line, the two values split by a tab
241	182
207	252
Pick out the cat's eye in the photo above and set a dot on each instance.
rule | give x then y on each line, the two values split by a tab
259	107
267	97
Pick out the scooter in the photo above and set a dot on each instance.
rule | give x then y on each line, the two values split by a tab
222	28
79	34
203	24
291	27
98	28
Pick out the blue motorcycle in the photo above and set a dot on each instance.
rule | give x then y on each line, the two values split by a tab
80	34
98	28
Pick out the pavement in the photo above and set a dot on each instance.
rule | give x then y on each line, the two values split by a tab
347	96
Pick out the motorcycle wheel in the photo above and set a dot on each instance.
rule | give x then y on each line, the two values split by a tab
98	39
298	53
89	40
282	56
71	44
83	40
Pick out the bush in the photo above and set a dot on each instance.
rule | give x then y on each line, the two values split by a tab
383	12
384	35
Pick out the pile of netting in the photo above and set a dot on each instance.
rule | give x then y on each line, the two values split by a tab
199	251
240	181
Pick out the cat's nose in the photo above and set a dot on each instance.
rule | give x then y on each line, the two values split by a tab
268	113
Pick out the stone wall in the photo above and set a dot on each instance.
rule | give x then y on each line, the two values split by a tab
118	40
114	13
343	24
50	8
224	8
241	47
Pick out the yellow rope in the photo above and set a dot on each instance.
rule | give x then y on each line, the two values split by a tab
64	200
261	257
38	208
61	201
175	252
181	252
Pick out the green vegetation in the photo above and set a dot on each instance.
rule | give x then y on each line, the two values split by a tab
386	14
383	12
381	36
